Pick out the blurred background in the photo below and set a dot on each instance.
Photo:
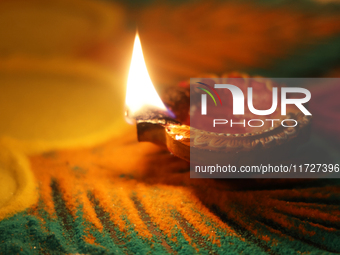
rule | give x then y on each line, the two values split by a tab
64	63
63	73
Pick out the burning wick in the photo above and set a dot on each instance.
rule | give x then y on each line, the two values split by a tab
141	97
143	105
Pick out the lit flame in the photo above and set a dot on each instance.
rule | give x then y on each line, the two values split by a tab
140	91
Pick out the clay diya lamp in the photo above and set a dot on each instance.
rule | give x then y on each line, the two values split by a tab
200	143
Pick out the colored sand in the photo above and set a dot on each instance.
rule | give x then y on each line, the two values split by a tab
125	197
